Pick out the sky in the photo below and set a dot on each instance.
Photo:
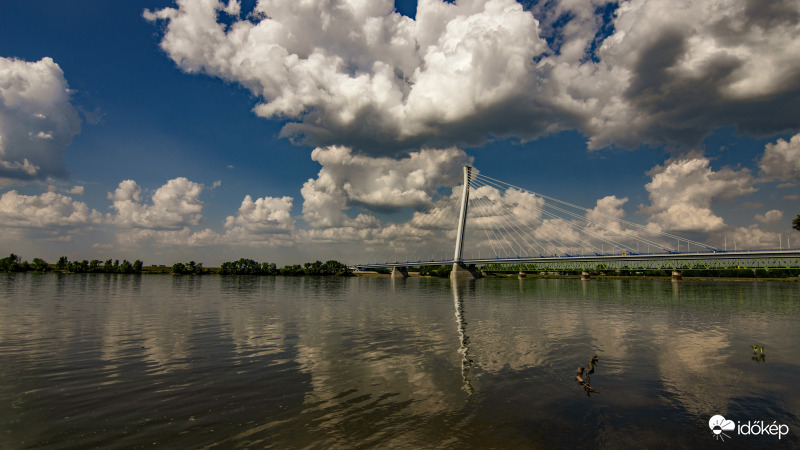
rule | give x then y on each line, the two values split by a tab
292	131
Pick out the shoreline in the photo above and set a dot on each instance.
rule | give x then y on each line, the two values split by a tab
213	271
594	277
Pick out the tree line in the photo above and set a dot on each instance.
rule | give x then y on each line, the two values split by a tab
13	263
250	267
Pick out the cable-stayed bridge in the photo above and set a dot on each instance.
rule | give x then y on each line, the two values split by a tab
497	226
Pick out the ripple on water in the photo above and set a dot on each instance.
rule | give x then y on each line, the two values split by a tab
200	362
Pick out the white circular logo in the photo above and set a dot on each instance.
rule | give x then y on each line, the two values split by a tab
718	424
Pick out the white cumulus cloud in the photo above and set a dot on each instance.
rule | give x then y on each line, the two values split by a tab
359	74
375	183
770	217
37	120
174	205
682	192
752	237
782	159
171	218
44	210
264	215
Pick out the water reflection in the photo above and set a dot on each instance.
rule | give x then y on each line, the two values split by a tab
458	287
316	362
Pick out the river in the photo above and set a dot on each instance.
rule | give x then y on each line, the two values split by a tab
131	361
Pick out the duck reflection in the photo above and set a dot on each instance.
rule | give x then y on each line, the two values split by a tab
458	288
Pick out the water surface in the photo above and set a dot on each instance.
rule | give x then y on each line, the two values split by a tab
127	361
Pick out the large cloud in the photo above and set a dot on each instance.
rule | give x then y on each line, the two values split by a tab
263	215
348	73
37	120
782	159
49	209
681	194
770	217
174	205
175	210
672	71
359	74
376	184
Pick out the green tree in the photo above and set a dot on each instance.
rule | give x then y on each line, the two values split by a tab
269	269
292	271
333	267
78	266
137	266
435	271
179	268
40	265
796	223
6	263
247	267
63	263
314	268
190	268
226	268
13	264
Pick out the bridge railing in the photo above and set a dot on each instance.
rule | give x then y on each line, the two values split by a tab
778	259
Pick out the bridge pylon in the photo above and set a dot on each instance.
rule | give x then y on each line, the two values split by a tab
460	272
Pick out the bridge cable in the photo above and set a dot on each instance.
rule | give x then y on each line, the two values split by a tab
585	230
433	213
662	233
482	201
506	214
546	227
591	221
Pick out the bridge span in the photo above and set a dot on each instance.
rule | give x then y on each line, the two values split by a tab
560	243
755	259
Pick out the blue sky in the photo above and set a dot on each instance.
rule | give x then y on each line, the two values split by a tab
175	113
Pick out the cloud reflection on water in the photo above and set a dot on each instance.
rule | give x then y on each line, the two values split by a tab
382	361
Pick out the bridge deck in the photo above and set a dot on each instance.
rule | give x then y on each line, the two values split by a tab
779	259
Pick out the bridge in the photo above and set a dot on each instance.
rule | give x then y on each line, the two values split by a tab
530	232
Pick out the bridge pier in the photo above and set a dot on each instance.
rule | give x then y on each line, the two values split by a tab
676	275
462	273
585	275
399	272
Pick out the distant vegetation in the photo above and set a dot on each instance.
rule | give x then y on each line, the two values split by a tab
97	266
190	268
247	267
14	263
436	271
250	267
